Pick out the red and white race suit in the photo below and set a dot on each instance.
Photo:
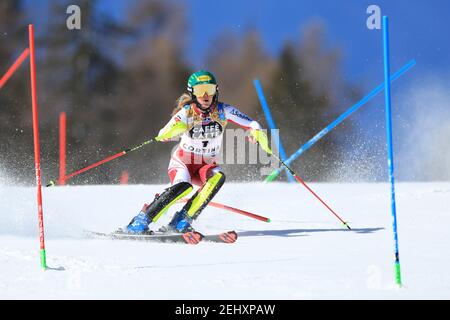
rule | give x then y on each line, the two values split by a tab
194	159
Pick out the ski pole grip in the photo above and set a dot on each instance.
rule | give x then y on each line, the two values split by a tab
138	146
262	140
51	183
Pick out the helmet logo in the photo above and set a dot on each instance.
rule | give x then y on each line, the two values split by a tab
204	77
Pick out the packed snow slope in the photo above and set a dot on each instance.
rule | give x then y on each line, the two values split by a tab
303	253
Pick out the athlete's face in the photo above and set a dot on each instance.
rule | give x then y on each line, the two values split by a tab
205	101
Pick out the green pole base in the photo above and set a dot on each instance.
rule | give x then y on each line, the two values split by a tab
272	176
398	277
43	259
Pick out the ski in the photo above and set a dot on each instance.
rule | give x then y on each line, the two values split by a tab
225	237
187	238
192	237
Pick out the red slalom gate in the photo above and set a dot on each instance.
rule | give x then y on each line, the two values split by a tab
37	156
14	67
124	177
62	148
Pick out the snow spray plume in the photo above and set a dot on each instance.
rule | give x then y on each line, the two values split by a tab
424	130
262	142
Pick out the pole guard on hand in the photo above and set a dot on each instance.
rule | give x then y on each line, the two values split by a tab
261	137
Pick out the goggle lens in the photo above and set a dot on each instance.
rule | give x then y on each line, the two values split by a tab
208	88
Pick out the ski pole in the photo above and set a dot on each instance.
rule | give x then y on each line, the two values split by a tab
263	142
310	190
174	131
99	163
235	210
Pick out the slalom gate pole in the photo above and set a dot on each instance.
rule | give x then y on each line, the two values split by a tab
124	177
235	210
62	148
37	156
341	118
300	180
14	67
271	122
387	92
99	163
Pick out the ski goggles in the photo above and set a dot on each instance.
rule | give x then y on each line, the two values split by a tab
201	89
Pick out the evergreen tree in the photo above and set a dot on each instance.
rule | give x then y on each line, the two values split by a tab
78	74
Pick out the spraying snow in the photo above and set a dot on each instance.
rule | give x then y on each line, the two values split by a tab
424	130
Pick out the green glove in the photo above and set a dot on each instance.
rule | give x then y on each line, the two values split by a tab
262	139
175	130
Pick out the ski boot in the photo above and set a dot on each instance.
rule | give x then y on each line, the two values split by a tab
182	220
161	203
139	224
180	223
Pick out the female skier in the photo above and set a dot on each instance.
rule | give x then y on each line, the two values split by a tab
203	120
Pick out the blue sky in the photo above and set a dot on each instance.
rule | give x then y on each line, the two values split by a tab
419	29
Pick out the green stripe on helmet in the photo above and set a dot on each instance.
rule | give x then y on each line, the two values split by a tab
200	77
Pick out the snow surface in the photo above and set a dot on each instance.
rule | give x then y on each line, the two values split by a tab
304	253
